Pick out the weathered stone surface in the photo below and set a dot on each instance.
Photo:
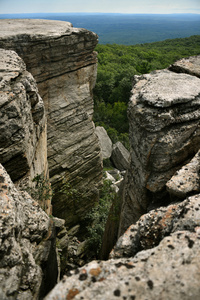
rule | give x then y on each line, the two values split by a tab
23	137
105	142
157	224
168	271
27	245
164	120
62	60
120	156
190	65
186	180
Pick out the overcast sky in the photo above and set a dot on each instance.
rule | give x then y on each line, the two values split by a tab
111	6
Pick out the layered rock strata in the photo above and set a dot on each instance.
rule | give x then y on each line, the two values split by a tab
28	264
164	118
62	60
23	134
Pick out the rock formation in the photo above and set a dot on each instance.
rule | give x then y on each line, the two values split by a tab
105	142
120	156
27	245
158	256
62	60
164	119
23	135
190	65
151	228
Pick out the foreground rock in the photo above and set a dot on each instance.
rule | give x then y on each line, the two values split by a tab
62	60
164	119
27	245
23	137
157	258
168	271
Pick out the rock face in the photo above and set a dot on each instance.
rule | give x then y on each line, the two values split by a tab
27	245
164	119
186	180
120	156
23	137
105	142
62	60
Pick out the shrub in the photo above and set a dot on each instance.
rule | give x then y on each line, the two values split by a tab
97	217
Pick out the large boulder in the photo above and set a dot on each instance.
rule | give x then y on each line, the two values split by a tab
28	260
105	142
120	156
62	60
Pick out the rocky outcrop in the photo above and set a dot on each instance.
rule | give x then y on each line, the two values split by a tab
23	137
190	65
62	60
27	245
164	121
151	228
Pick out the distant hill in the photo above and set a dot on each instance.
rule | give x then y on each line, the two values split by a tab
127	29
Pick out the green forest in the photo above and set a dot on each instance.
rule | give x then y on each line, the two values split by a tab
117	64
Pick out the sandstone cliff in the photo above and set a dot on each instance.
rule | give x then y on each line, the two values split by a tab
62	60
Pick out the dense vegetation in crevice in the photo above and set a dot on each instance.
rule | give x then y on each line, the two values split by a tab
117	64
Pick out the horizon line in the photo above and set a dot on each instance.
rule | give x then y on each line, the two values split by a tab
115	13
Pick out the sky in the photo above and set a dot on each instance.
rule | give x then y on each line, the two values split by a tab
104	6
